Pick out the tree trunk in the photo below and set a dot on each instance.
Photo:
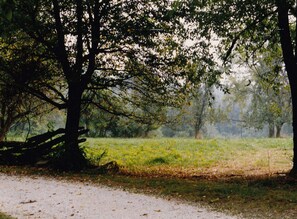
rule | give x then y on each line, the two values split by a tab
2	135
289	54
198	134
271	131
200	113
72	157
4	129
294	106
6	120
278	131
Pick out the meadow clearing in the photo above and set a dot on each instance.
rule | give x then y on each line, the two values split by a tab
191	157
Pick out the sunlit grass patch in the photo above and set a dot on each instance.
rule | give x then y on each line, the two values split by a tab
194	157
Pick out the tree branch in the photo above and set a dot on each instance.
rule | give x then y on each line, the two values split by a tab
79	42
60	51
238	35
43	97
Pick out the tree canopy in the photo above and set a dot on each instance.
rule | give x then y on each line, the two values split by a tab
104	53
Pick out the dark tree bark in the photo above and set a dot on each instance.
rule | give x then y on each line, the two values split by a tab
3	133
72	158
5	124
290	59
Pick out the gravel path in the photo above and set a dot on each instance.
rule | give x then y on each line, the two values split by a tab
25	197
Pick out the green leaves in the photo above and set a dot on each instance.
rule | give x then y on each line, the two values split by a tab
6	9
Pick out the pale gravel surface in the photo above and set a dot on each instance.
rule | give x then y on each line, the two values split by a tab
27	197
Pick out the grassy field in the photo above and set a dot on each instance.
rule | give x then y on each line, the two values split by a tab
190	157
243	177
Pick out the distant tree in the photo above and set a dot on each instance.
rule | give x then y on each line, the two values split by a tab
105	124
199	110
269	106
263	93
98	122
200	105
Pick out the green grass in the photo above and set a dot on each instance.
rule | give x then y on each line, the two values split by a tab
192	157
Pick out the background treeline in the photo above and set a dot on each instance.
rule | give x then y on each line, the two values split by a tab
245	112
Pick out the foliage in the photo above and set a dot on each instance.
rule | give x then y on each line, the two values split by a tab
201	109
146	117
139	40
234	26
19	69
6	9
266	98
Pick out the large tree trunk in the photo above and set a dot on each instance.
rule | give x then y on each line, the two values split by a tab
289	54
294	106
72	157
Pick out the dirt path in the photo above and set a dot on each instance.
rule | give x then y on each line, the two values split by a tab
25	197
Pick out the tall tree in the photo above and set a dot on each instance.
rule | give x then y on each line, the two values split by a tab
248	25
105	45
